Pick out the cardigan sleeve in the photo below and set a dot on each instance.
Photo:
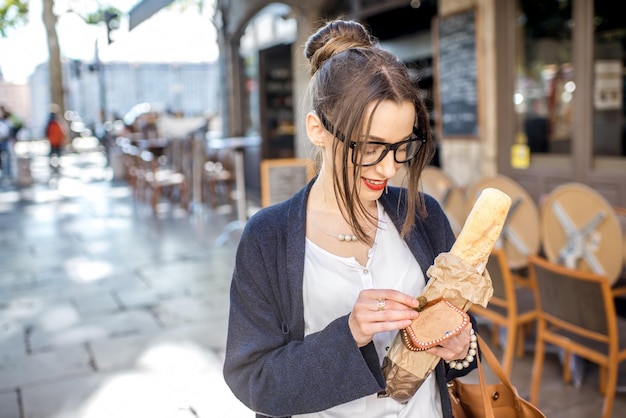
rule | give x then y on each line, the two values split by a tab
272	369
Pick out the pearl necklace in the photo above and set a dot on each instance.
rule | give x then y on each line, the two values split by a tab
340	237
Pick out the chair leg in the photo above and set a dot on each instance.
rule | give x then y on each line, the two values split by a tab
511	334
211	193
156	197
523	331
567	366
537	368
611	387
184	195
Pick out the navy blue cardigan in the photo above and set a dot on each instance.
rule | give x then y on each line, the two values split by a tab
270	366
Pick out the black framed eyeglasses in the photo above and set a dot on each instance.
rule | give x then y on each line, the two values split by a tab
373	152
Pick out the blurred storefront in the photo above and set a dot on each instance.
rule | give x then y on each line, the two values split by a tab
567	61
535	92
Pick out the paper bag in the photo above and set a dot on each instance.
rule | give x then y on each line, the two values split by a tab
456	281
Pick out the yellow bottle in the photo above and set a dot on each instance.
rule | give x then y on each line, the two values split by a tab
520	152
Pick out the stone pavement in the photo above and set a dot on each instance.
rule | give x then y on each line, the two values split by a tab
105	309
108	311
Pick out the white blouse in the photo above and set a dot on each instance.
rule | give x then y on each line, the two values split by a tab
332	285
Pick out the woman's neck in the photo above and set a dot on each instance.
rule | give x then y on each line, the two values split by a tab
322	196
322	200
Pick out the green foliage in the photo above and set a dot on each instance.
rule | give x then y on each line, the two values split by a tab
182	5
101	15
13	13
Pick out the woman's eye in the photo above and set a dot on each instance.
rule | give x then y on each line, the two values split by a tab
370	149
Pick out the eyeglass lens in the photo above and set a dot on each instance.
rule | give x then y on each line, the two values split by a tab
372	153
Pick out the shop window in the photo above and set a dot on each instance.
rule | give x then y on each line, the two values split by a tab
609	115
545	89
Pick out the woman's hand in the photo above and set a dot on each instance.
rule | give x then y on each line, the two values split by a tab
379	310
454	348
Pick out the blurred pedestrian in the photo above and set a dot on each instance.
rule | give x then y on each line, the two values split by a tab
15	122
324	281
5	135
56	135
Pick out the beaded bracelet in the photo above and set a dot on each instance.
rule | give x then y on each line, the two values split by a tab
469	358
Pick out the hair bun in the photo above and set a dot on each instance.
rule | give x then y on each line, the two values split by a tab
335	37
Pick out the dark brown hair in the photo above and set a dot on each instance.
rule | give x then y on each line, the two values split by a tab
349	72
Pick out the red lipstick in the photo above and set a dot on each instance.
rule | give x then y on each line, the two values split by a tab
374	186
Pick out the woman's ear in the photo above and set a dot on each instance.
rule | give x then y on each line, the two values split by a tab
315	130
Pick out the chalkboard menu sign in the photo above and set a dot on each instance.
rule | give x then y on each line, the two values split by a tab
456	71
281	178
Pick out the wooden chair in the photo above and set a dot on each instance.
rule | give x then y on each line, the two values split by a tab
511	307
134	170
576	313
218	178
160	180
621	281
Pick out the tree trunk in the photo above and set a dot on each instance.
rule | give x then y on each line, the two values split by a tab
55	69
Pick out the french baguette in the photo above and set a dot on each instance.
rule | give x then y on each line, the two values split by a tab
482	228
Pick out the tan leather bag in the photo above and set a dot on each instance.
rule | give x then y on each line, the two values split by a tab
499	400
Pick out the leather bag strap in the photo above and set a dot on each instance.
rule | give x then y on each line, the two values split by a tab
497	370
483	386
494	364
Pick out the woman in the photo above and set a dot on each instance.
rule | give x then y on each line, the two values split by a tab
324	280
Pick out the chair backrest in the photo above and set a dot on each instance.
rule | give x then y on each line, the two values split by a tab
577	301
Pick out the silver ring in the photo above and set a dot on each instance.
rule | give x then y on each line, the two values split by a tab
380	304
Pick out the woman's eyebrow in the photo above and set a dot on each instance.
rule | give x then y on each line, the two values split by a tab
374	138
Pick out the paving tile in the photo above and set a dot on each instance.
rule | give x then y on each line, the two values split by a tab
101	246
12	249
136	393
96	304
13	323
177	275
48	275
92	284
15	280
142	296
183	273
214	290
32	300
71	329
187	310
20	370
191	342
9	405
22	313
12	339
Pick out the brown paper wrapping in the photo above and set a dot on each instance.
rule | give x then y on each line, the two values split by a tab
455	280
459	282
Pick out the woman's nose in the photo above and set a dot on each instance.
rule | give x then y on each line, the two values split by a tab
387	167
